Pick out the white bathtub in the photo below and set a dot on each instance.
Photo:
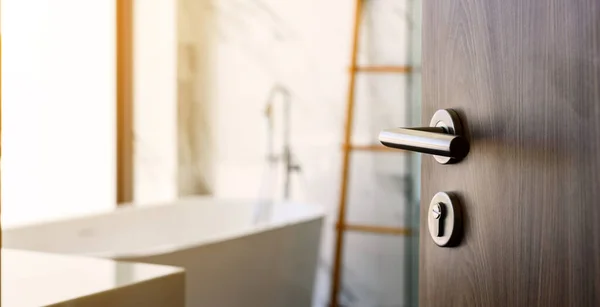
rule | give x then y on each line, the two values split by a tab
230	258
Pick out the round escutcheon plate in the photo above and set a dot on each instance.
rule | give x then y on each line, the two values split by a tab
450	121
444	219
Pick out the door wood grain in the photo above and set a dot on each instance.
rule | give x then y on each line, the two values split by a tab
525	77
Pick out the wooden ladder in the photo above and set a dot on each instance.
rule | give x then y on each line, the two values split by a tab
348	148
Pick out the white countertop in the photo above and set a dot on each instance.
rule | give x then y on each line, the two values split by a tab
39	279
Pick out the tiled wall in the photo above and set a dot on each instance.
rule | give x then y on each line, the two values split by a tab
232	52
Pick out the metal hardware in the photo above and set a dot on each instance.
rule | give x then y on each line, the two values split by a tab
437	212
443	138
287	157
445	219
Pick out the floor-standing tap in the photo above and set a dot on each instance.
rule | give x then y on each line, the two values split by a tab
286	155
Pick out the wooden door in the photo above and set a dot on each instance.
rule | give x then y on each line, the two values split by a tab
525	78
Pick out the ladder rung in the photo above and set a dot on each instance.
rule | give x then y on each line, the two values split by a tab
383	69
374	147
376	229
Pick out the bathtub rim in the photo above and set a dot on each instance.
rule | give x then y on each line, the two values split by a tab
315	213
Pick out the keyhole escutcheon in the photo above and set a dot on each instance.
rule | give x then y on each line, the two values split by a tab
445	219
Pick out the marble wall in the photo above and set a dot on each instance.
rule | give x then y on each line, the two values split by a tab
231	53
155	100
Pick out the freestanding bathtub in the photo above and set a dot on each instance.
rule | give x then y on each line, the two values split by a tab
232	256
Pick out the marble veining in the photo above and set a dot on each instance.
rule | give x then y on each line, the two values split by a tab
305	46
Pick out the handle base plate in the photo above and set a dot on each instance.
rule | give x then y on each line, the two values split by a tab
450	121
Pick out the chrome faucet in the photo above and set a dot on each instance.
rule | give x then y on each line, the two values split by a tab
287	155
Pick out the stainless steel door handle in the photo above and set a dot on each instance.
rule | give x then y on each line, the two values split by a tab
443	138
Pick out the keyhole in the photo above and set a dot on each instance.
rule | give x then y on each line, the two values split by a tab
438	215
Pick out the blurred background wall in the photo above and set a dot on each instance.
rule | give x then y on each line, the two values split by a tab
204	71
232	54
155	100
59	89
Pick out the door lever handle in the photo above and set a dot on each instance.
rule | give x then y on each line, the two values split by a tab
443	138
